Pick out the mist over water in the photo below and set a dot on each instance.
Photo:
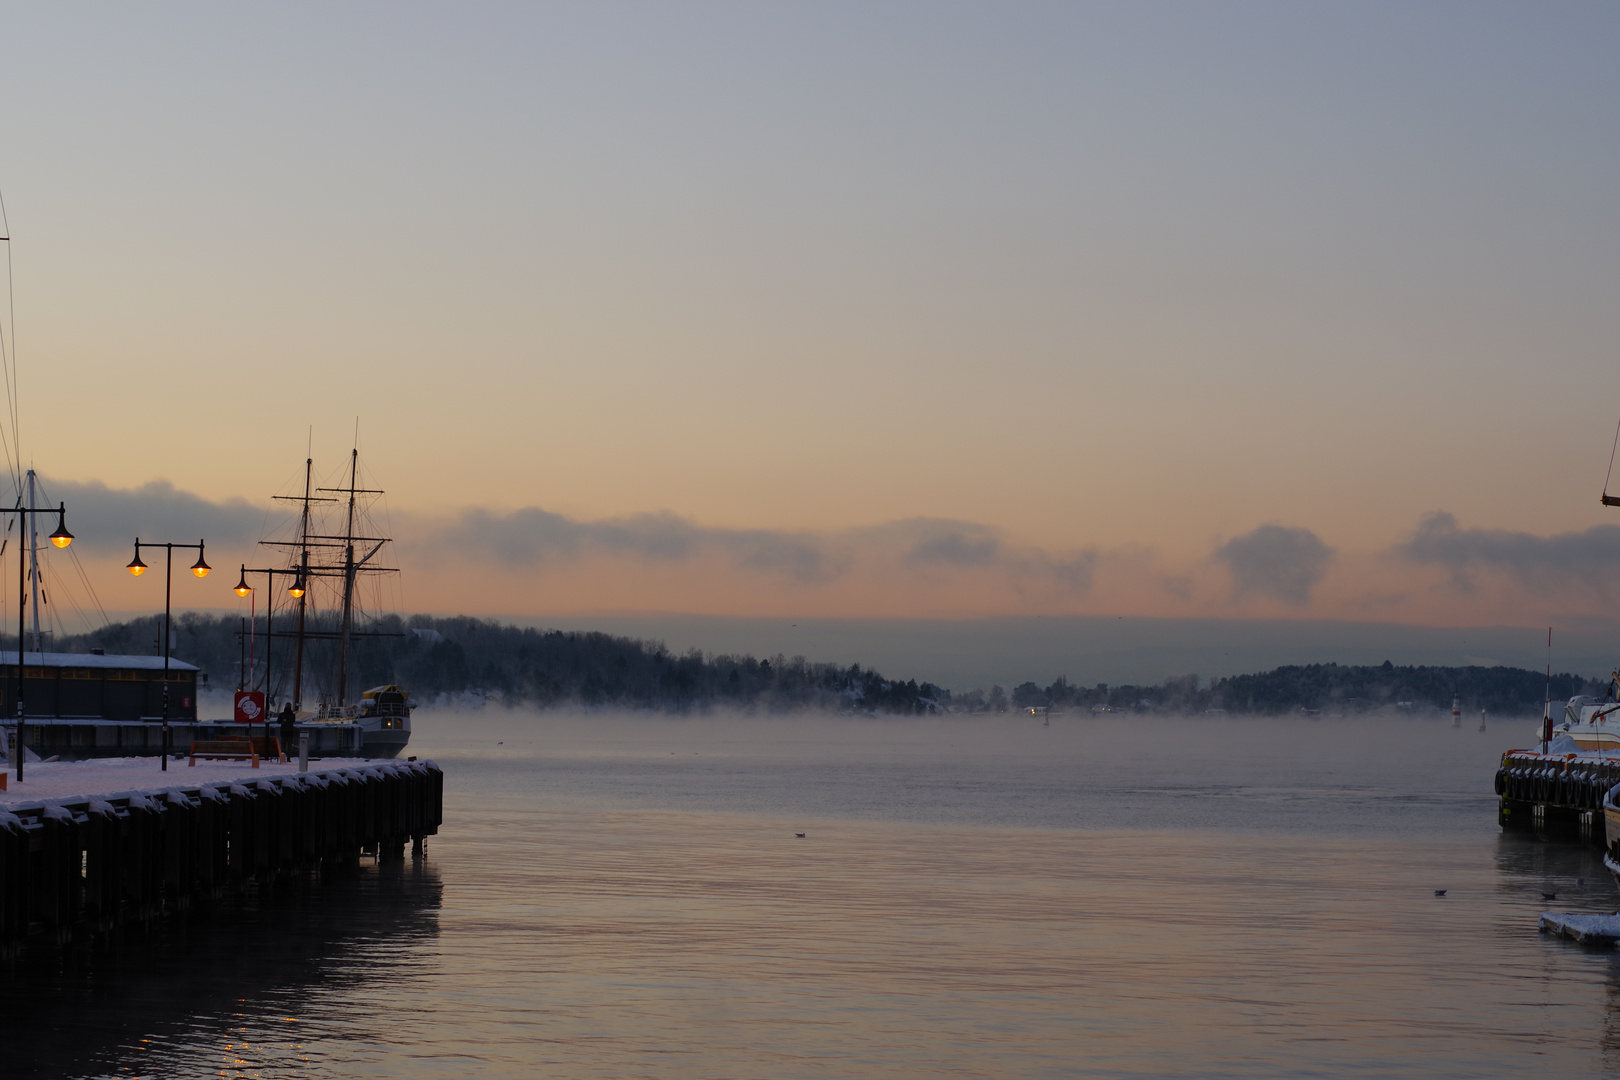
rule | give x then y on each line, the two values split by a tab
1352	775
624	895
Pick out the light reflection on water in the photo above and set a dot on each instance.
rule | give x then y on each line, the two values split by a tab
617	897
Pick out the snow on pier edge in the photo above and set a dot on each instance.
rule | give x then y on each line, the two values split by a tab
1586	929
54	781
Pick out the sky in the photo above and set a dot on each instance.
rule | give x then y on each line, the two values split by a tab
1233	311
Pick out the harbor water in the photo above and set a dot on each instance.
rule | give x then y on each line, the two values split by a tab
626	896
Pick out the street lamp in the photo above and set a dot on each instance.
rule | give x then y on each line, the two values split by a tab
137	567
295	590
61	538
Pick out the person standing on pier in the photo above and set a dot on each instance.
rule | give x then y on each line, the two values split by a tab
289	729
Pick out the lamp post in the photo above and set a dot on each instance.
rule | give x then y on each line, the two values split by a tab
244	666
61	538
295	590
200	568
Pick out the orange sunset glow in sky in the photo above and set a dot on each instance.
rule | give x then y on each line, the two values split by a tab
893	309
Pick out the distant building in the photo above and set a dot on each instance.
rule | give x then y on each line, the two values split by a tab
90	686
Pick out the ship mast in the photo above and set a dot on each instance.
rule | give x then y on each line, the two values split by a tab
351	568
33	557
348	585
303	585
302	576
307	570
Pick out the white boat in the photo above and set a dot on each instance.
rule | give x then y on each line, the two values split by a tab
381	721
1590	723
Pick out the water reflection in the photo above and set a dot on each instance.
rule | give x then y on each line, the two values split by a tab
238	988
628	898
1530	866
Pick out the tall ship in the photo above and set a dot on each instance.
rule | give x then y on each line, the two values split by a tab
303	649
1589	723
1569	779
333	578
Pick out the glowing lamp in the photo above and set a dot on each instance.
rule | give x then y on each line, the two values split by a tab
297	589
242	587
61	537
137	567
200	568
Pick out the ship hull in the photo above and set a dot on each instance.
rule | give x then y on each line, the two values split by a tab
1611	833
386	743
1600	739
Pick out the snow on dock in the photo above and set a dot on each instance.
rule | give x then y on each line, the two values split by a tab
1555	792
1586	929
50	781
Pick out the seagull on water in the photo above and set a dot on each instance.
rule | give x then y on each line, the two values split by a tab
800	835
1439	892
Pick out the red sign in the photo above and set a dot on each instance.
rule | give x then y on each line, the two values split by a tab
250	706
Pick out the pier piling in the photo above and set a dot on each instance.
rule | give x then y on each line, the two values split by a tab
1558	793
87	865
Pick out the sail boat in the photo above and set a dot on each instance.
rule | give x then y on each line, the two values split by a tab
1590	723
327	567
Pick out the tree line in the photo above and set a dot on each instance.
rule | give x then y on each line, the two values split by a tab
1324	688
443	657
433	657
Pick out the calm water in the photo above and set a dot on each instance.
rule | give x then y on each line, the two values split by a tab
623	897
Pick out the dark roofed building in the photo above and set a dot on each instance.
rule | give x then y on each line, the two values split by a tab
90	686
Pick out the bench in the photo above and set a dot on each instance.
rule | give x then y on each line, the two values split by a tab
268	746
224	750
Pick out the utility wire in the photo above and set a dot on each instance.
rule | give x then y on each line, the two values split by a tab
8	360
1610	473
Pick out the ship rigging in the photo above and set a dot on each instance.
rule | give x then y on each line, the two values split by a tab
326	569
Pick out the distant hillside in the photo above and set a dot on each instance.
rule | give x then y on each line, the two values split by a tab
482	658
1335	688
452	657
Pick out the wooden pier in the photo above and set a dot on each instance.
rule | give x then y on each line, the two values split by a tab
1554	793
86	865
77	740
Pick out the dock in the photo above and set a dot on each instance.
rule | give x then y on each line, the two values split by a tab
75	865
76	739
1555	793
1600	931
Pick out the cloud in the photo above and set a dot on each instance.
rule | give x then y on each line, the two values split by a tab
952	543
934	544
1276	561
532	537
947	561
535	537
1588	558
99	515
